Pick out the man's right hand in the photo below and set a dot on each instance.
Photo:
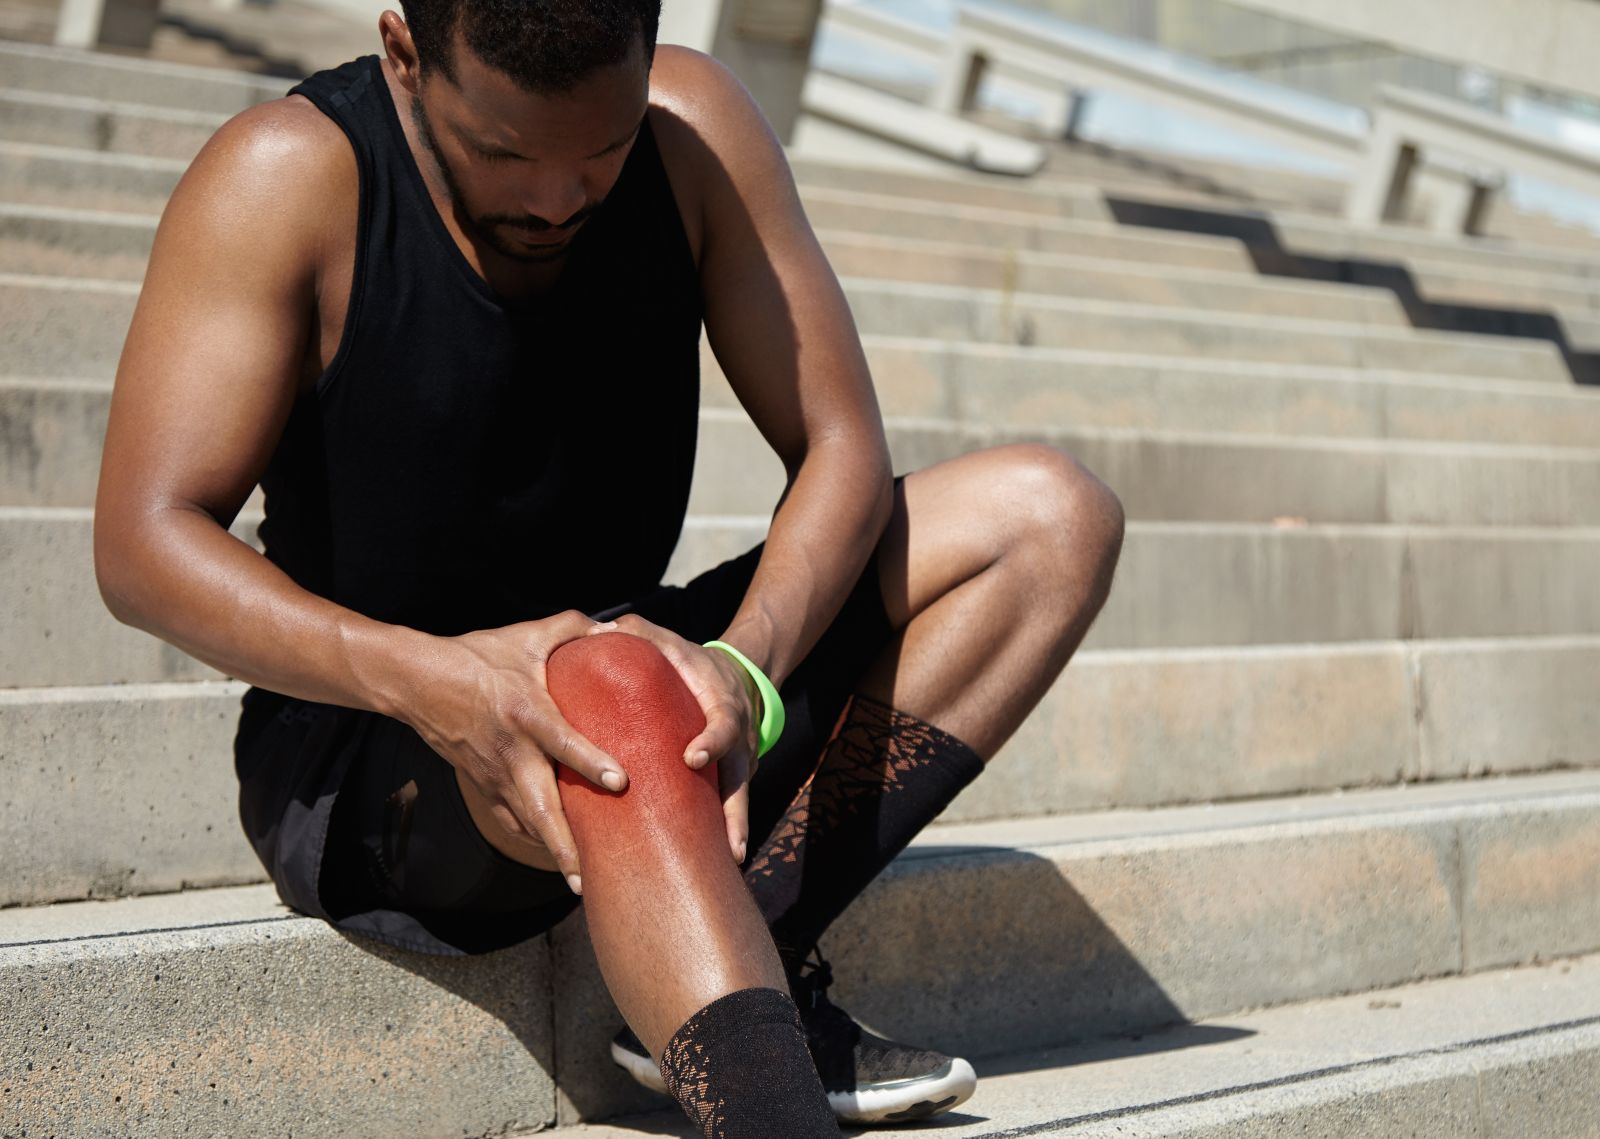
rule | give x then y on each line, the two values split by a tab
483	705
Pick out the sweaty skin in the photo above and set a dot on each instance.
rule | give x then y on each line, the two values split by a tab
628	700
658	883
991	565
244	306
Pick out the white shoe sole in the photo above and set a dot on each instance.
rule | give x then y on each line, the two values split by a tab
906	1100
888	1103
641	1068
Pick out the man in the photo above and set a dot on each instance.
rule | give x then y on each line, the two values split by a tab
444	305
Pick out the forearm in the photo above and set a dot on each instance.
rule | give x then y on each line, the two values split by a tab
179	575
825	529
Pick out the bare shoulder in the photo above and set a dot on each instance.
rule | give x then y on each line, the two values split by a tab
716	145
279	140
281	168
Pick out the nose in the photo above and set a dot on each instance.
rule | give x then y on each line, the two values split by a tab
555	198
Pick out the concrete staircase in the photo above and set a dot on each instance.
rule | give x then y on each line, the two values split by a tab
1306	839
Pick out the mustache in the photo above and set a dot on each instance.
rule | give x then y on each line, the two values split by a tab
533	224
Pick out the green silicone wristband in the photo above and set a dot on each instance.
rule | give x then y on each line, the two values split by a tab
771	726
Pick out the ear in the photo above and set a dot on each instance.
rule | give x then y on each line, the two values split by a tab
401	50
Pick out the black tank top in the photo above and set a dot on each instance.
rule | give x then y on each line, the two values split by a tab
466	462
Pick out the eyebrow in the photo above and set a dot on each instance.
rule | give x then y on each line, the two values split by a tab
501	152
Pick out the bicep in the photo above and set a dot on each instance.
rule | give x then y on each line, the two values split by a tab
214	354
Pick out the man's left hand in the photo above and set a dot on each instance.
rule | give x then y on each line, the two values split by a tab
728	697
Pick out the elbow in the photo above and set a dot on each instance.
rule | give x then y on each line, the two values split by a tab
112	591
113	570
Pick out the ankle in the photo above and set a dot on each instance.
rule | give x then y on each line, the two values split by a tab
740	1069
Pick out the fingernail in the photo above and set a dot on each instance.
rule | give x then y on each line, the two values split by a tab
699	759
606	628
576	883
739	857
614	780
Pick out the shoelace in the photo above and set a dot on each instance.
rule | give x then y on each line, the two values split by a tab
811	978
810	986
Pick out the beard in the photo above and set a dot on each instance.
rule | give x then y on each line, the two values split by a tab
491	229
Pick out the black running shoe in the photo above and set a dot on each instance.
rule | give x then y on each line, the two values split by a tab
868	1079
634	1058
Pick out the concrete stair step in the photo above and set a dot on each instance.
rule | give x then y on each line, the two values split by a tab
43	175
1320	235
1512	1052
1160	475
64	176
1539	229
30	21
56	177
56	426
51	71
64	326
55	626
56	241
1509	288
860	255
889	216
1172	476
945	312
1444	273
1065	199
120	78
1086	201
308	35
221	1013
980	939
130	789
1574	309
1009	385
1183	584
1179	584
98	124
1082	161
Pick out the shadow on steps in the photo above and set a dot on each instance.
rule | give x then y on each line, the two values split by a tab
1273	259
979	951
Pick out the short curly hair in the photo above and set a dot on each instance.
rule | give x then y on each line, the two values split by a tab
545	46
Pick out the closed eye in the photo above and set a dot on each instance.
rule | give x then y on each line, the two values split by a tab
509	156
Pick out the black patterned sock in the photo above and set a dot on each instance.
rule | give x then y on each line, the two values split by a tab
740	1069
883	776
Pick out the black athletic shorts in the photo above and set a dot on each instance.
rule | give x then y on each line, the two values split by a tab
360	822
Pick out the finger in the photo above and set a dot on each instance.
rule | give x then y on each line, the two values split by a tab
698	668
735	785
533	781
719	685
568	625
725	730
550	734
670	644
542	721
